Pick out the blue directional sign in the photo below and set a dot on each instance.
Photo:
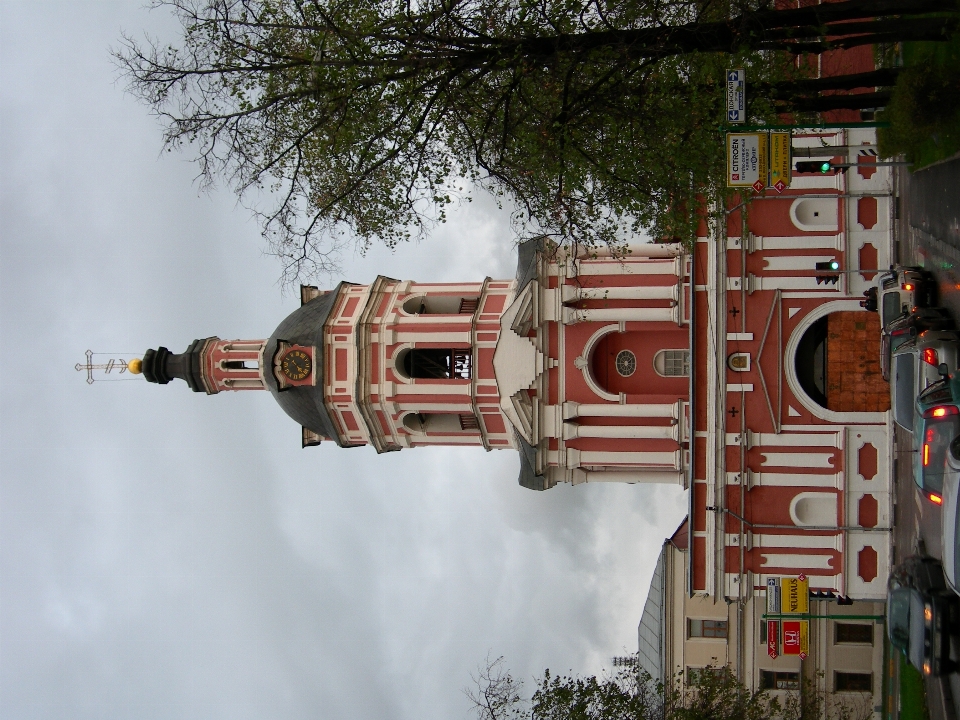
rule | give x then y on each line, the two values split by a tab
736	98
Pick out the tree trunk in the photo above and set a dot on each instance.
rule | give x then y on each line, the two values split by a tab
885	77
824	103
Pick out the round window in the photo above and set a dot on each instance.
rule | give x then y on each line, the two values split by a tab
626	363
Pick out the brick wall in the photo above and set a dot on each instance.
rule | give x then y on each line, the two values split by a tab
854	382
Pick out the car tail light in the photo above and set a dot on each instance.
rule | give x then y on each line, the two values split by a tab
908	286
926	454
935	499
930	357
941	411
901	331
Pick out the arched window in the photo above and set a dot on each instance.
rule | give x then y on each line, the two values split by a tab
811	362
672	363
440	305
441	423
436	363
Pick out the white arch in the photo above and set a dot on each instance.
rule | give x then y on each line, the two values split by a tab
819	215
814	509
790	367
583	362
395	362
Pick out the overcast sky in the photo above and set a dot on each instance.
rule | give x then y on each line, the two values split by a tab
164	554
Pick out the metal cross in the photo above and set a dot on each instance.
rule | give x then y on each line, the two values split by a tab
734	312
107	367
733	412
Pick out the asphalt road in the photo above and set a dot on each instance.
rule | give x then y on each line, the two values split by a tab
928	234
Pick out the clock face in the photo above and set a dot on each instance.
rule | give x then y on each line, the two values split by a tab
296	365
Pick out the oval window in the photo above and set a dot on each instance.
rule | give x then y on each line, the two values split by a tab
626	363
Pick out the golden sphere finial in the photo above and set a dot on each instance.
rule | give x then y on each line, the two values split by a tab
135	366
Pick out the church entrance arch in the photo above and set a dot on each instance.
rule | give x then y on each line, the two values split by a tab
832	364
641	362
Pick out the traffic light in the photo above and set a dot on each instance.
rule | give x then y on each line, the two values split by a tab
831	266
830	595
815	166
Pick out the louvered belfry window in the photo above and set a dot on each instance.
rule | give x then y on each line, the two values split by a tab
438	363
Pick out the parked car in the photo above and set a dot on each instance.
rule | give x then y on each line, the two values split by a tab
907	327
901	289
937	427
915	365
921	613
950	534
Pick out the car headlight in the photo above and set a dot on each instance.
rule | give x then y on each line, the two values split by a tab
926	668
927	612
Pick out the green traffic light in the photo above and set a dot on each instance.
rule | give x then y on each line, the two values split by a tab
825	167
834	265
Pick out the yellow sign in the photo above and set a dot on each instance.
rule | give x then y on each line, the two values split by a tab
779	160
795	594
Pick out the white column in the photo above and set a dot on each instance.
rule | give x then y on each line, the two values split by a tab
797	459
783	282
572	293
657	460
629	267
571	431
571	316
635	250
662	477
779	263
800	479
796	242
646	410
828	439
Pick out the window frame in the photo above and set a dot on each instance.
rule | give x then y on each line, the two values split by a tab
839	627
665	359
710	629
848	675
778	680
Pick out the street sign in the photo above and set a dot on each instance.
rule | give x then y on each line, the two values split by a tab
796	638
779	161
747	161
773	638
736	98
796	595
773	596
759	160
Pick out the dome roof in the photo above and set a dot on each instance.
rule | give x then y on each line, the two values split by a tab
304	326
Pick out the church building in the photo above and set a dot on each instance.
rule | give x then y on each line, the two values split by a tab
730	369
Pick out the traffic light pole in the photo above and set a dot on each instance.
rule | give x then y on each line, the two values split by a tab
810	616
807	126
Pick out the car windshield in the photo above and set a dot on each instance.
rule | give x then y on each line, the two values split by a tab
937	436
904	390
891	307
898	617
897	340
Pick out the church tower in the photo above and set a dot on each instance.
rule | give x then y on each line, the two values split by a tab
580	363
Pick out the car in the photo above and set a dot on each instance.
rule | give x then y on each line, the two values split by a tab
921	614
902	288
907	327
915	365
950	517
937	429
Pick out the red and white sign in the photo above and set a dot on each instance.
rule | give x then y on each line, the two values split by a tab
796	638
773	638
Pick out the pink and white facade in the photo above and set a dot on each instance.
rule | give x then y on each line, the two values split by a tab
715	369
792	449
